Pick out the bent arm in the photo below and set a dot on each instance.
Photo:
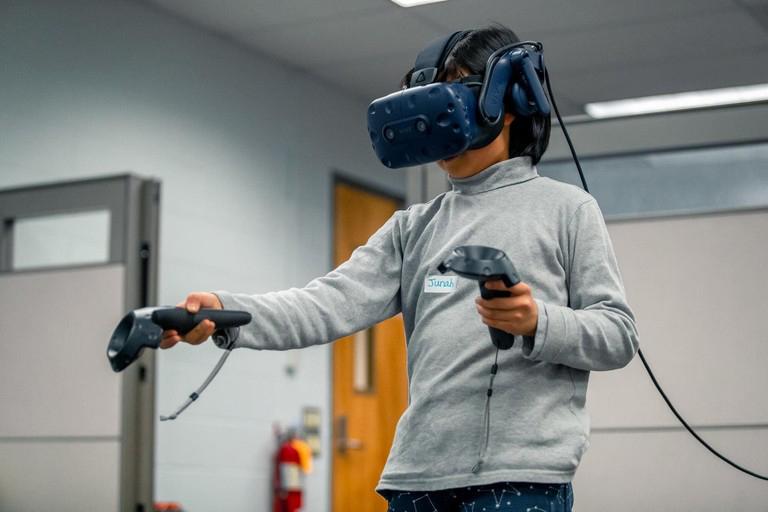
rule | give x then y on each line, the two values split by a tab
597	331
360	292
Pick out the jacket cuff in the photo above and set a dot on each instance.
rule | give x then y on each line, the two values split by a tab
227	338
226	299
549	338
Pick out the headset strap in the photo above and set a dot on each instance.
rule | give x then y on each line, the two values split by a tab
432	57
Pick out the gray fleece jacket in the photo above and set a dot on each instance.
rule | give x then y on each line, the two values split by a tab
555	235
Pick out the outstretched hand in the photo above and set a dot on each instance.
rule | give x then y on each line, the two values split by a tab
516	314
193	303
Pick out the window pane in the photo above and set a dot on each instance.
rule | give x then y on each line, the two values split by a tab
61	240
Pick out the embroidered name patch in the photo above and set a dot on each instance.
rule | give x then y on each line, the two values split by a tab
440	284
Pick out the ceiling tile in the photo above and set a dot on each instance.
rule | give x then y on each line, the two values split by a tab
535	17
595	49
675	39
666	77
319	43
248	15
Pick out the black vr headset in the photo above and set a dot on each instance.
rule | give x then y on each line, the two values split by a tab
430	121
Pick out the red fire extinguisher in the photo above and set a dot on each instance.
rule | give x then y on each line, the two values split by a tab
288	492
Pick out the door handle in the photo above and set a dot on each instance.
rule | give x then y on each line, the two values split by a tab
343	442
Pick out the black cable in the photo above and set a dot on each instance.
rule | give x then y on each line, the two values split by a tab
487	415
640	352
225	339
688	427
565	131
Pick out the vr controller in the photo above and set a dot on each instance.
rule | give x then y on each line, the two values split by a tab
484	264
142	328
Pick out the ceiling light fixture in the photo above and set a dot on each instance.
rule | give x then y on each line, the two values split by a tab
413	3
679	101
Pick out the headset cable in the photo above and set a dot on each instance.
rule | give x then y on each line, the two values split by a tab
640	352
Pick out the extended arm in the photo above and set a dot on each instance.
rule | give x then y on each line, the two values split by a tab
360	292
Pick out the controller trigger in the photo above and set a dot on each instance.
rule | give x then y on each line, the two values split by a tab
483	264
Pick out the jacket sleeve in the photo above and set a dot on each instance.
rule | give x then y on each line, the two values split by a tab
597	330
360	292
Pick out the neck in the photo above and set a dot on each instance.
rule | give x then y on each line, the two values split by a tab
480	159
500	174
459	174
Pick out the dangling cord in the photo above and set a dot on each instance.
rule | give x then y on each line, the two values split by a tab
565	131
487	415
640	352
689	428
225	340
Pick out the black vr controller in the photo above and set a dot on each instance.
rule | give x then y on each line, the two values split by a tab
142	328
484	264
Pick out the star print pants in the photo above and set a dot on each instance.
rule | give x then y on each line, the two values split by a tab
499	497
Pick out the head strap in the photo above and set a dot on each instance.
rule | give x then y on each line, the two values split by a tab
431	58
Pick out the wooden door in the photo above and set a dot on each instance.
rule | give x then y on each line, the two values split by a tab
370	388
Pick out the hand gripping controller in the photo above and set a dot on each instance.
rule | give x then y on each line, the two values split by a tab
142	328
484	264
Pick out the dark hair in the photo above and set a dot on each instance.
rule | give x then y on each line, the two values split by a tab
528	135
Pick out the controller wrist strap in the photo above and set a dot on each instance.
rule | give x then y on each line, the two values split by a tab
225	339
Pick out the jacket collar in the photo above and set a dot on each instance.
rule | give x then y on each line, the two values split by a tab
501	174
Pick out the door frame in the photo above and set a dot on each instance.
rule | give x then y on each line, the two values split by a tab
341	177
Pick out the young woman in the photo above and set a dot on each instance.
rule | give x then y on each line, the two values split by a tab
569	316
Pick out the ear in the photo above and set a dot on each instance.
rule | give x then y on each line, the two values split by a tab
508	118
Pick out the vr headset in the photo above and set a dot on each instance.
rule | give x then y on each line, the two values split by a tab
430	121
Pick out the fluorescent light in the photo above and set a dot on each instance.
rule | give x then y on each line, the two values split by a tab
680	101
412	3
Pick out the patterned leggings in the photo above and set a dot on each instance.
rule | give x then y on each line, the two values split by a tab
499	497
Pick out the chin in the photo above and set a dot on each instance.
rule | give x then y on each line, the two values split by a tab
458	165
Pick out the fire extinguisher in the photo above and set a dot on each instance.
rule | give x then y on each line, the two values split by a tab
288	478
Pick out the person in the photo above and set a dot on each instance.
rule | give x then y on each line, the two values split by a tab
569	316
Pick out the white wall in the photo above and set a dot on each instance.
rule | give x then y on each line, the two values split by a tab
245	148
